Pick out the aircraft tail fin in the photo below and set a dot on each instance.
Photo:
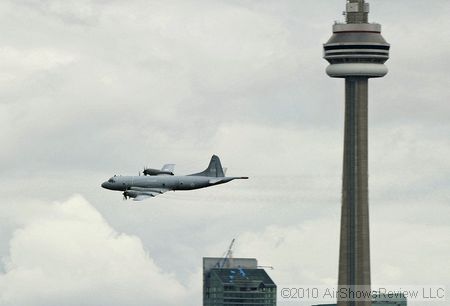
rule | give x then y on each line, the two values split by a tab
214	169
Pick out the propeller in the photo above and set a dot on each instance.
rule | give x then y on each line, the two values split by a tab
125	193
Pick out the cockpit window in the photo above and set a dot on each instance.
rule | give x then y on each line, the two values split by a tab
111	180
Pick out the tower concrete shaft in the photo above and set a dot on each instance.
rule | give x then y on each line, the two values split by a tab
354	255
356	51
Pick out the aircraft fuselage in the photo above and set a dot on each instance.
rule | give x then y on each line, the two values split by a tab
122	183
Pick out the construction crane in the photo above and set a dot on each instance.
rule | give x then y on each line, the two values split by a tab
228	257
267	267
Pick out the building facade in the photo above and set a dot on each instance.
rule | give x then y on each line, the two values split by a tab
236	282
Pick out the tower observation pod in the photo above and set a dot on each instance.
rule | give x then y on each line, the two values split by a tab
356	48
356	51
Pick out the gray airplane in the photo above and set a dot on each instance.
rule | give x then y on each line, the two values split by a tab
160	181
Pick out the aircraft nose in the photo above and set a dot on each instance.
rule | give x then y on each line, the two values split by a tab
104	184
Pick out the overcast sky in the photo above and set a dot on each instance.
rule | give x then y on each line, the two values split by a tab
89	89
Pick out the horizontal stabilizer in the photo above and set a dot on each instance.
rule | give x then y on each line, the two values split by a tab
220	180
215	180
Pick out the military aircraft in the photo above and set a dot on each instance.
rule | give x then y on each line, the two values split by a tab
160	181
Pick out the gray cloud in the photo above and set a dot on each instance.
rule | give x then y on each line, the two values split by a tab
94	88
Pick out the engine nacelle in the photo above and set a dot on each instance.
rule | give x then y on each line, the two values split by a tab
130	194
149	171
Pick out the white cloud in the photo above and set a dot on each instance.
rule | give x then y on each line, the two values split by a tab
68	255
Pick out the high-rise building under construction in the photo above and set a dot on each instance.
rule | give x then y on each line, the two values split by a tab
236	282
356	52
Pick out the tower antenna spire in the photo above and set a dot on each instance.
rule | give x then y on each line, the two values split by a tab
357	11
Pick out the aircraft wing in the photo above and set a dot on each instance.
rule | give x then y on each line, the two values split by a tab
168	167
140	194
145	196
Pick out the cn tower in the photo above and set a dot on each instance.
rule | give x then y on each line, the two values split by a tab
356	51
